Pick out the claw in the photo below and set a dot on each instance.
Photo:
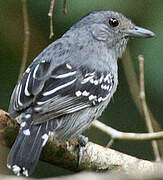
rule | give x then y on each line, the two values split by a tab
82	141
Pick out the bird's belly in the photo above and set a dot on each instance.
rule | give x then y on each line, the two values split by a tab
74	124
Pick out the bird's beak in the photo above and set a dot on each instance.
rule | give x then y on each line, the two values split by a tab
139	32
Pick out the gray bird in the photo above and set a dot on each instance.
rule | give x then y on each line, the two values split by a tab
68	84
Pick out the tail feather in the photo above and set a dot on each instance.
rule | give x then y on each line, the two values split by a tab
26	150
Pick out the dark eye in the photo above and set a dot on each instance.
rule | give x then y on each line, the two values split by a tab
113	22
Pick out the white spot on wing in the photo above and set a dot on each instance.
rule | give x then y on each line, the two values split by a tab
25	172
85	93
19	102
26	86
66	75
105	87
92	97
23	124
16	169
17	94
91	81
96	82
27	70
58	88
103	99
106	78
41	103
45	138
86	80
8	166
38	109
26	132
50	133
78	93
34	72
110	87
27	116
94	102
101	79
102	86
68	66
99	99
90	74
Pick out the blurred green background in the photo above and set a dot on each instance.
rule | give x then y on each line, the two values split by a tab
121	113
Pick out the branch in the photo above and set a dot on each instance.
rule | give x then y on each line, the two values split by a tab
26	38
131	79
144	106
134	87
119	135
113	175
50	14
95	157
64	7
135	93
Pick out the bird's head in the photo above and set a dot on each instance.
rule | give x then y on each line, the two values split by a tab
113	28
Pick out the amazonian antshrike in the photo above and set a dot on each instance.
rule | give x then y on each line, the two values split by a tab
68	84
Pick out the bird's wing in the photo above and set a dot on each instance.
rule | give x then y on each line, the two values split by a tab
59	91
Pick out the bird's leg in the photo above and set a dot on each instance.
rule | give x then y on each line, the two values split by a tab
82	141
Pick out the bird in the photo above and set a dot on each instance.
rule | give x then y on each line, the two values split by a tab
68	85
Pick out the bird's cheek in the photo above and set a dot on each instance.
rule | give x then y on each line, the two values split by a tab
99	32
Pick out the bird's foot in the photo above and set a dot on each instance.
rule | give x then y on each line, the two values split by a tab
82	141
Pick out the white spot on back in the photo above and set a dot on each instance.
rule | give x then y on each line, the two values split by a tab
26	132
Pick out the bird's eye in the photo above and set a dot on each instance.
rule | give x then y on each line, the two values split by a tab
113	22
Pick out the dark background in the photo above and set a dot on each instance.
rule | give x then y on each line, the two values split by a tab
121	113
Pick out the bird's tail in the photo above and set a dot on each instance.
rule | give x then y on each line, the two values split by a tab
26	150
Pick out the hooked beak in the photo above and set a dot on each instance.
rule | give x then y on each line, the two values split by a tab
139	32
